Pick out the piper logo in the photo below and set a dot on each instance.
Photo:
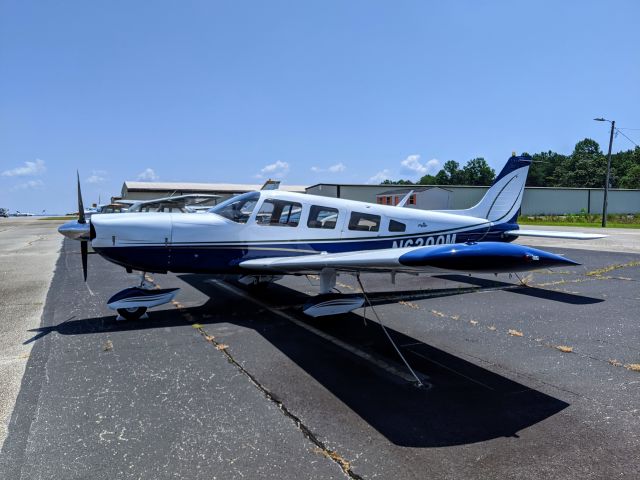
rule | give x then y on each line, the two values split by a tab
421	241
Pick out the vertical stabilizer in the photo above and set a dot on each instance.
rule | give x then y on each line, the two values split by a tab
502	201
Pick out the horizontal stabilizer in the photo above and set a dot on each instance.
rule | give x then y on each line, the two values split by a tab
552	234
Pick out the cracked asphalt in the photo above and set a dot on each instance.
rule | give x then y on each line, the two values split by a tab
231	383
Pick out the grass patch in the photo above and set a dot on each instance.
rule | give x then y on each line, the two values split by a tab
581	220
68	217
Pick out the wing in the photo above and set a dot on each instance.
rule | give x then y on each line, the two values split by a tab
177	201
487	257
553	234
183	199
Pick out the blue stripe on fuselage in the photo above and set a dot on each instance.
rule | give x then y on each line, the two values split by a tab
224	258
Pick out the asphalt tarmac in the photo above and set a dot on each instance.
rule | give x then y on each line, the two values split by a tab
231	383
28	253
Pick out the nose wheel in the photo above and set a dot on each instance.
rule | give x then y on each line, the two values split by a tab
134	313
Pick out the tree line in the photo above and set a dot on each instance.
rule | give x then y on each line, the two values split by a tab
585	167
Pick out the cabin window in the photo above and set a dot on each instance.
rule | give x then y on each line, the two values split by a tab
364	222
279	213
395	226
237	209
322	217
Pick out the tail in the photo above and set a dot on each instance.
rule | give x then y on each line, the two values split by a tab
502	201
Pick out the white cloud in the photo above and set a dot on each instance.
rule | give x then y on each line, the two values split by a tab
148	175
28	185
412	166
433	166
380	176
337	168
276	169
97	176
29	168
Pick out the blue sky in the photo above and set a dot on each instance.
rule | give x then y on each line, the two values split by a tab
308	91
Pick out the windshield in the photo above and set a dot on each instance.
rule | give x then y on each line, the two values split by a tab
237	209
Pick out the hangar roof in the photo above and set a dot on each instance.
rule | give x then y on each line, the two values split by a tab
130	186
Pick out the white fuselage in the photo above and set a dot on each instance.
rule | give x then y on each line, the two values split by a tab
215	242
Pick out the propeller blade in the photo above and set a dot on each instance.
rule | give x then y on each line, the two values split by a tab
84	250
81	218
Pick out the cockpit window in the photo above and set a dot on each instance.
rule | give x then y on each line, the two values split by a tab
237	209
279	213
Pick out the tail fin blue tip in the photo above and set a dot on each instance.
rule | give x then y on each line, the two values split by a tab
512	164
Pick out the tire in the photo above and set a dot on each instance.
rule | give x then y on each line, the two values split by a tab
258	287
132	313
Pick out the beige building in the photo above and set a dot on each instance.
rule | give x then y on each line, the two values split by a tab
424	198
151	190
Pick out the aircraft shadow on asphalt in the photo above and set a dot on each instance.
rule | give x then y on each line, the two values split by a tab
466	403
531	291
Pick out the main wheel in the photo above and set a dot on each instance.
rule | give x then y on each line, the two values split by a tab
258	287
132	313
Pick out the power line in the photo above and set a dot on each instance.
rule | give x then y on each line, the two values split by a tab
623	134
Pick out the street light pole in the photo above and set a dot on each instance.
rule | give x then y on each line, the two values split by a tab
606	183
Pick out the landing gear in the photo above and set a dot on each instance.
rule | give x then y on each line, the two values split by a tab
258	283
132	303
327	280
134	313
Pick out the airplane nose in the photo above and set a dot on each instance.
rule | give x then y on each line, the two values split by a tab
140	241
75	230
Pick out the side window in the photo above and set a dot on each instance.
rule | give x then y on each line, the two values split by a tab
396	226
279	213
322	217
364	222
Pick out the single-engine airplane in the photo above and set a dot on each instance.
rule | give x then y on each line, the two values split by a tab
266	234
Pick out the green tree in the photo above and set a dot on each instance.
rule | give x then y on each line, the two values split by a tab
541	172
478	172
450	174
627	165
428	180
586	167
632	178
396	182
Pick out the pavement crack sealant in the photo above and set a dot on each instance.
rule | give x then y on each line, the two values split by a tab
321	447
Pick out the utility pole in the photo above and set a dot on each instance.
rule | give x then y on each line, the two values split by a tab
606	184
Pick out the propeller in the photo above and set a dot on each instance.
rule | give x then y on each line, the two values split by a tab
84	248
